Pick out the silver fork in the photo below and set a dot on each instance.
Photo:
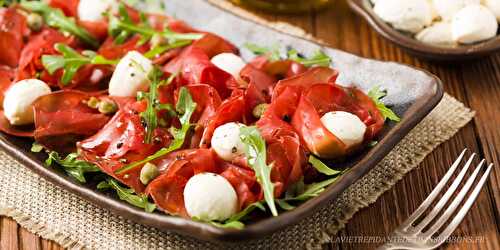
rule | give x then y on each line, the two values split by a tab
411	236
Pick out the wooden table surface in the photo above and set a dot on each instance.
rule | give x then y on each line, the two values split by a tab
475	83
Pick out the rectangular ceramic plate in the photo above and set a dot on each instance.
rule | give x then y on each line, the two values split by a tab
412	94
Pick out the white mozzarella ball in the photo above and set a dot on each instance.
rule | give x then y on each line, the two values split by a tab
131	75
494	6
439	33
210	197
435	14
474	23
405	15
94	10
19	98
345	126
230	63
448	8
226	141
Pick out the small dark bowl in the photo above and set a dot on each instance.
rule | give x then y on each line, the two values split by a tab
420	49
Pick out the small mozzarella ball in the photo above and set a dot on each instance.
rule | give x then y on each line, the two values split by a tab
448	8
474	23
226	141
210	197
494	6
19	98
131	75
439	33
94	10
407	15
435	14
345	126
230	63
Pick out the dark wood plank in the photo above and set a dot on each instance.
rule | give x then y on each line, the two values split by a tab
8	236
50	245
483	93
13	236
28	240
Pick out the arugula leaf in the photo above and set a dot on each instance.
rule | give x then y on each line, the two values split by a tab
284	205
250	208
128	195
376	94
73	166
152	53
312	190
150	114
255	151
319	58
71	61
272	53
321	167
228	224
185	106
55	18
122	27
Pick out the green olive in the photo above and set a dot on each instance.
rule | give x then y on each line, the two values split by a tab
148	173
157	40
107	107
93	103
35	21
259	110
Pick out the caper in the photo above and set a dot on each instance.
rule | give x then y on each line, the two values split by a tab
93	103
259	110
35	21
148	173
107	107
157	40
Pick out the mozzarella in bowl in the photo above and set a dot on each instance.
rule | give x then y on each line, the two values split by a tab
474	23
494	6
439	33
19	99
411	16
442	22
446	9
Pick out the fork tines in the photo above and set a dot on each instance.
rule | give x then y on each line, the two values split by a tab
413	228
